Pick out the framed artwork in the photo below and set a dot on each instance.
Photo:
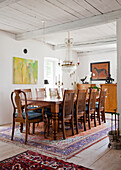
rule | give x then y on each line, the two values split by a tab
25	71
100	70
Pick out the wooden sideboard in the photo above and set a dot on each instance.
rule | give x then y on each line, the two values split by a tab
111	99
84	86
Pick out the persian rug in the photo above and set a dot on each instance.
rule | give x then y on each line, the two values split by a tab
58	148
32	160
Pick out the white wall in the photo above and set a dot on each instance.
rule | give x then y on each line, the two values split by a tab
10	48
87	58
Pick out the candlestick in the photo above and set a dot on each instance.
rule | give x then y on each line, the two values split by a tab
59	84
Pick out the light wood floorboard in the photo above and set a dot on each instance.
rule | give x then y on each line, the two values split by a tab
97	157
8	150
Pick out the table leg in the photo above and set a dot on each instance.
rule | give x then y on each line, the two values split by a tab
55	110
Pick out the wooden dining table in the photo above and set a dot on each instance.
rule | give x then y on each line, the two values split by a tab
54	102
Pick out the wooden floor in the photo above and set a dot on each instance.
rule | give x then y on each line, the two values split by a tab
98	156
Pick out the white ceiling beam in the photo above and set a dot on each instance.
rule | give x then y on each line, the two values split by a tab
4	3
107	50
97	42
78	24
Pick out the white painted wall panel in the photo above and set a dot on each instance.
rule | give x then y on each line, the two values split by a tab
86	59
10	48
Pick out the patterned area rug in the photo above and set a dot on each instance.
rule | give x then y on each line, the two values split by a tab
60	148
32	160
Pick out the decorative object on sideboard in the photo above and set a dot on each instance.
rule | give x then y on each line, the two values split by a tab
95	87
100	70
109	80
46	82
83	80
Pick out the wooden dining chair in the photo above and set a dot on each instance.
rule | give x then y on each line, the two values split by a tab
101	106
67	114
23	116
28	93
40	92
53	92
91	106
28	96
81	108
32	106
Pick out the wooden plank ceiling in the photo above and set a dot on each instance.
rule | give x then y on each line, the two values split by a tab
24	18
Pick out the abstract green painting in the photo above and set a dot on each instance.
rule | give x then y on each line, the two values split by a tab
25	71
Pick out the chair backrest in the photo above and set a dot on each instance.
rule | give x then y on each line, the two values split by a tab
62	91
17	103
102	98
28	93
81	101
68	103
92	99
84	86
53	92
40	92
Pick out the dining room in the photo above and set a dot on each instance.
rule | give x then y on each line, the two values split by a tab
38	51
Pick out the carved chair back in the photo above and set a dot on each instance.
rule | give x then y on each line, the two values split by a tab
53	92
92	100
28	93
68	103
17	103
40	92
81	101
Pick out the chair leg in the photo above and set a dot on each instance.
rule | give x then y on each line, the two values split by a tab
27	131
84	120
77	128
33	130
94	120
13	128
89	121
63	128
45	126
103	113
91	117
48	126
72	124
98	113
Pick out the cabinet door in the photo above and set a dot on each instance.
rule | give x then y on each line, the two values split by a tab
111	99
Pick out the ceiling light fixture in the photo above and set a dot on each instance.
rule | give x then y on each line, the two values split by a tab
68	66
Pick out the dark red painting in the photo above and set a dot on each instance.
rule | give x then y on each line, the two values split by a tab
100	70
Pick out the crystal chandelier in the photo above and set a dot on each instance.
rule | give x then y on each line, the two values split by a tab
68	66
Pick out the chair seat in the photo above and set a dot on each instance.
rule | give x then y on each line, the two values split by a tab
34	107
31	115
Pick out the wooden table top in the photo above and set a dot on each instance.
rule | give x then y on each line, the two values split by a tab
46	100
